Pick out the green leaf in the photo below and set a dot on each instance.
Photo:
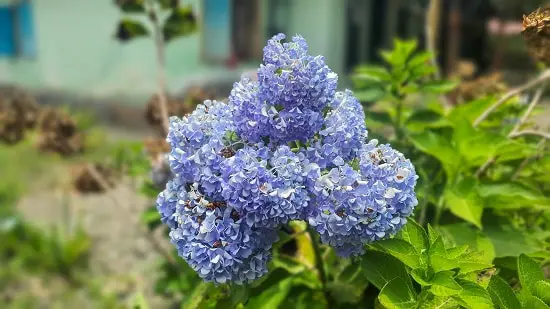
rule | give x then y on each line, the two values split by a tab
509	241
371	73
438	257
432	301
432	234
420	59
502	294
273	296
464	234
381	117
541	289
529	272
181	22
415	235
131	6
349	285
474	295
439	147
379	274
512	195
471	110
128	30
372	94
168	4
345	293
421	276
397	294
464	202
402	250
438	86
422	119
533	302
443	284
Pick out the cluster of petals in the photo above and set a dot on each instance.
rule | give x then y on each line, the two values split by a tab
285	147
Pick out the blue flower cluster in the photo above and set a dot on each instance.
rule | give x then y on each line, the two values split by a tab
285	147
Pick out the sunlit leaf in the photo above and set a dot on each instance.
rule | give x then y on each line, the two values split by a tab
464	201
529	272
502	294
474	295
379	274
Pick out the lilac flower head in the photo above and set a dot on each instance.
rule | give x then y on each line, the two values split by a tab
356	206
287	147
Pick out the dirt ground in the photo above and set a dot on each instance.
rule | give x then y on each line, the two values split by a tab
122	258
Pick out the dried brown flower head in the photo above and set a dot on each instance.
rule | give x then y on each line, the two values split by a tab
85	178
536	31
482	86
18	112
58	133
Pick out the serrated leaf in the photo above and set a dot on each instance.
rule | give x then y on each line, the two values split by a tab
443	284
181	22
529	272
457	251
415	235
402	250
379	274
474	295
464	202
463	234
438	257
128	30
502	294
432	234
131	6
397	294
533	302
541	289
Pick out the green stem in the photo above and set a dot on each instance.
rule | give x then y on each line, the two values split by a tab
319	264
438	211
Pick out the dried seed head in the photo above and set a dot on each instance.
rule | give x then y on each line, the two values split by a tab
227	152
536	32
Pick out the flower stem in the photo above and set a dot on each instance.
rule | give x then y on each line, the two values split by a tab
319	264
